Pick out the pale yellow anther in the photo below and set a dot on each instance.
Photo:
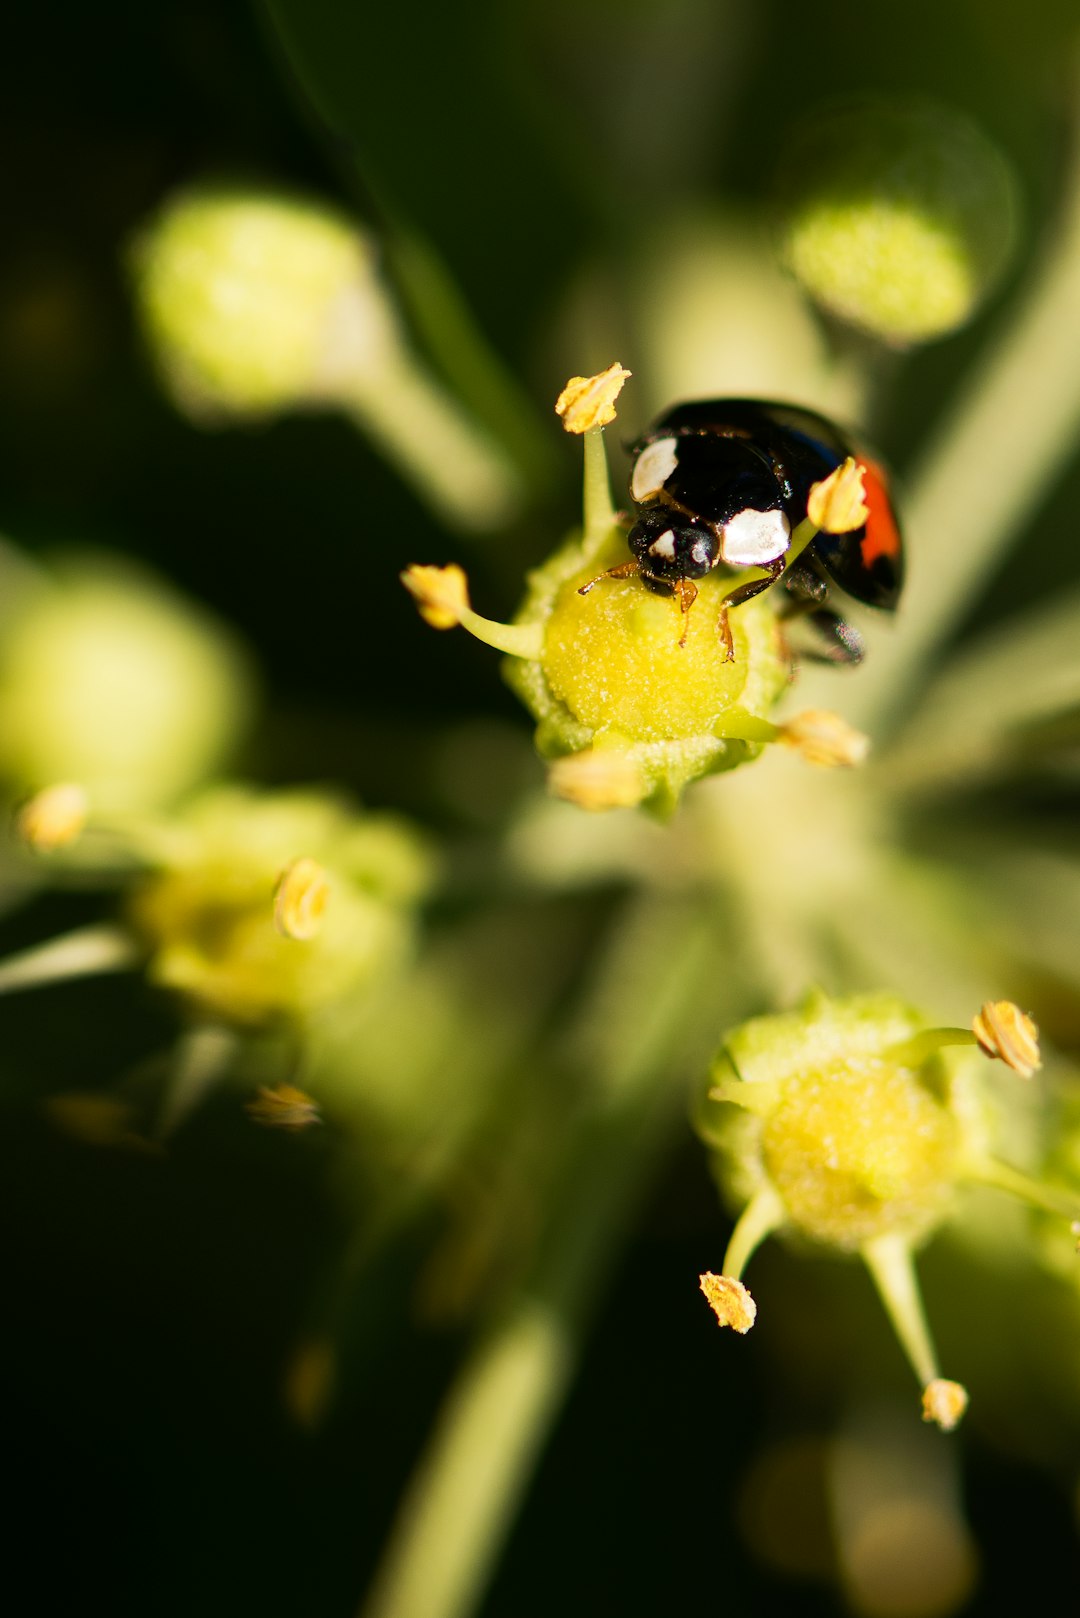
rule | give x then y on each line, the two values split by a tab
1009	1035
944	1403
729	1301
822	737
442	593
53	818
838	503
589	401
597	779
283	1106
300	899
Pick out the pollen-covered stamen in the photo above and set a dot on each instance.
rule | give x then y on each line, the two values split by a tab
823	738
1007	1034
598	778
752	538
652	469
441	593
837	504
729	1301
53	818
283	1106
589	401
300	900
889	1260
944	1403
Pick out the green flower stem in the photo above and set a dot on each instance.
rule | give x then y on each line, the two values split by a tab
80	954
763	1214
921	1047
599	513
1002	1177
201	1060
471	1480
450	333
1006	437
519	640
453	463
888	1258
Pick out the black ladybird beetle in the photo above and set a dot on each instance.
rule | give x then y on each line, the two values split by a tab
727	480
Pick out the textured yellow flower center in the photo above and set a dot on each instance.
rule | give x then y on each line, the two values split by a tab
613	657
859	1149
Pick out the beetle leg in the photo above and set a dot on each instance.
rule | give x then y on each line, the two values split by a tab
745	592
687	592
803	590
842	641
625	570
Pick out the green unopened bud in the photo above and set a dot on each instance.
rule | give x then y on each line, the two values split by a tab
239	293
898	217
255	302
110	679
275	905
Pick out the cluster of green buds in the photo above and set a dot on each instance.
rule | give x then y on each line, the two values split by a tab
255	303
850	1125
634	699
250	906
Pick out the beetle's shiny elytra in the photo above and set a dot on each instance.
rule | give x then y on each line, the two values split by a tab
726	481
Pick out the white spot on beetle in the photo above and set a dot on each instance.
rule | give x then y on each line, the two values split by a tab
699	553
652	469
752	538
664	546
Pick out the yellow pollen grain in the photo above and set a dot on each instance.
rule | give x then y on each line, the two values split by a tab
441	593
53	818
729	1301
589	401
944	1403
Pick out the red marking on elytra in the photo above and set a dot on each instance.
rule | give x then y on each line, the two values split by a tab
882	537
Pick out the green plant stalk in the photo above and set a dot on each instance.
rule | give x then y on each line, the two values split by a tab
468	1485
888	1258
1009	433
79	954
422	429
438	312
